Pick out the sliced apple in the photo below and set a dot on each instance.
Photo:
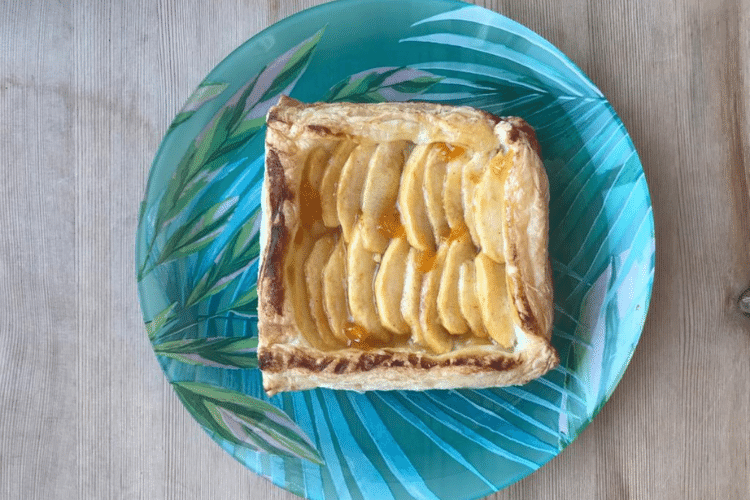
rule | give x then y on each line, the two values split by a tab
436	338
334	291
349	189
452	197
314	172
488	207
410	299
470	177
434	180
314	266
389	286
459	251
329	181
467	298
295	275
493	300
380	192
411	200
360	274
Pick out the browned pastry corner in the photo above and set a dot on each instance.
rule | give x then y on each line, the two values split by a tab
403	246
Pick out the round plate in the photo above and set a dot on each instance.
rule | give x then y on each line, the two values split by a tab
197	253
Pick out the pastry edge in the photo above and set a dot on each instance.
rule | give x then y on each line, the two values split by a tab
294	368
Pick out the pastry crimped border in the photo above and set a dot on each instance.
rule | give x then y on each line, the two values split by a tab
287	360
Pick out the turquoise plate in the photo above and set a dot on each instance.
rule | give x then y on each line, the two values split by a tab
197	253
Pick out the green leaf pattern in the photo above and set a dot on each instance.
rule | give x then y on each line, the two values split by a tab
293	66
382	84
199	232
207	91
246	304
234	258
277	78
245	421
219	352
154	327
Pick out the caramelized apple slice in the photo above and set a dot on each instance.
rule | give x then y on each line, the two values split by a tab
349	190
470	177
467	298
460	250
434	180
452	197
360	274
330	179
493	300
436	338
380	192
413	278
334	291
488	213
389	286
314	266
295	276
411	200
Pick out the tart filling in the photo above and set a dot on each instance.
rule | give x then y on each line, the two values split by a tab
404	246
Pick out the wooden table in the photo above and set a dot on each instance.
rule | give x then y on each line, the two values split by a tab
87	90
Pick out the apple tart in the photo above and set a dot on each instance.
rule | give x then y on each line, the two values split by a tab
403	246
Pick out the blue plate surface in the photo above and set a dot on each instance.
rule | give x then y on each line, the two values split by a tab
197	253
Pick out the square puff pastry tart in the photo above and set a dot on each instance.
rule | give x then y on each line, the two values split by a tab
403	246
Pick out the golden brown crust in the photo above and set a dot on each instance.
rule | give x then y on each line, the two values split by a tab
290	368
293	357
527	267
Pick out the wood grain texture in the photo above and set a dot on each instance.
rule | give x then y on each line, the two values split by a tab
88	88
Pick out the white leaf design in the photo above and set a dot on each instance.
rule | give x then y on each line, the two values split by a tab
488	19
592	326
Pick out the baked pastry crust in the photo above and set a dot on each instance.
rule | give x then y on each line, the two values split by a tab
298	352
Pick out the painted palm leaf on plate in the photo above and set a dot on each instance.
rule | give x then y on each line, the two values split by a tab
245	421
381	85
233	259
206	91
221	352
155	326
